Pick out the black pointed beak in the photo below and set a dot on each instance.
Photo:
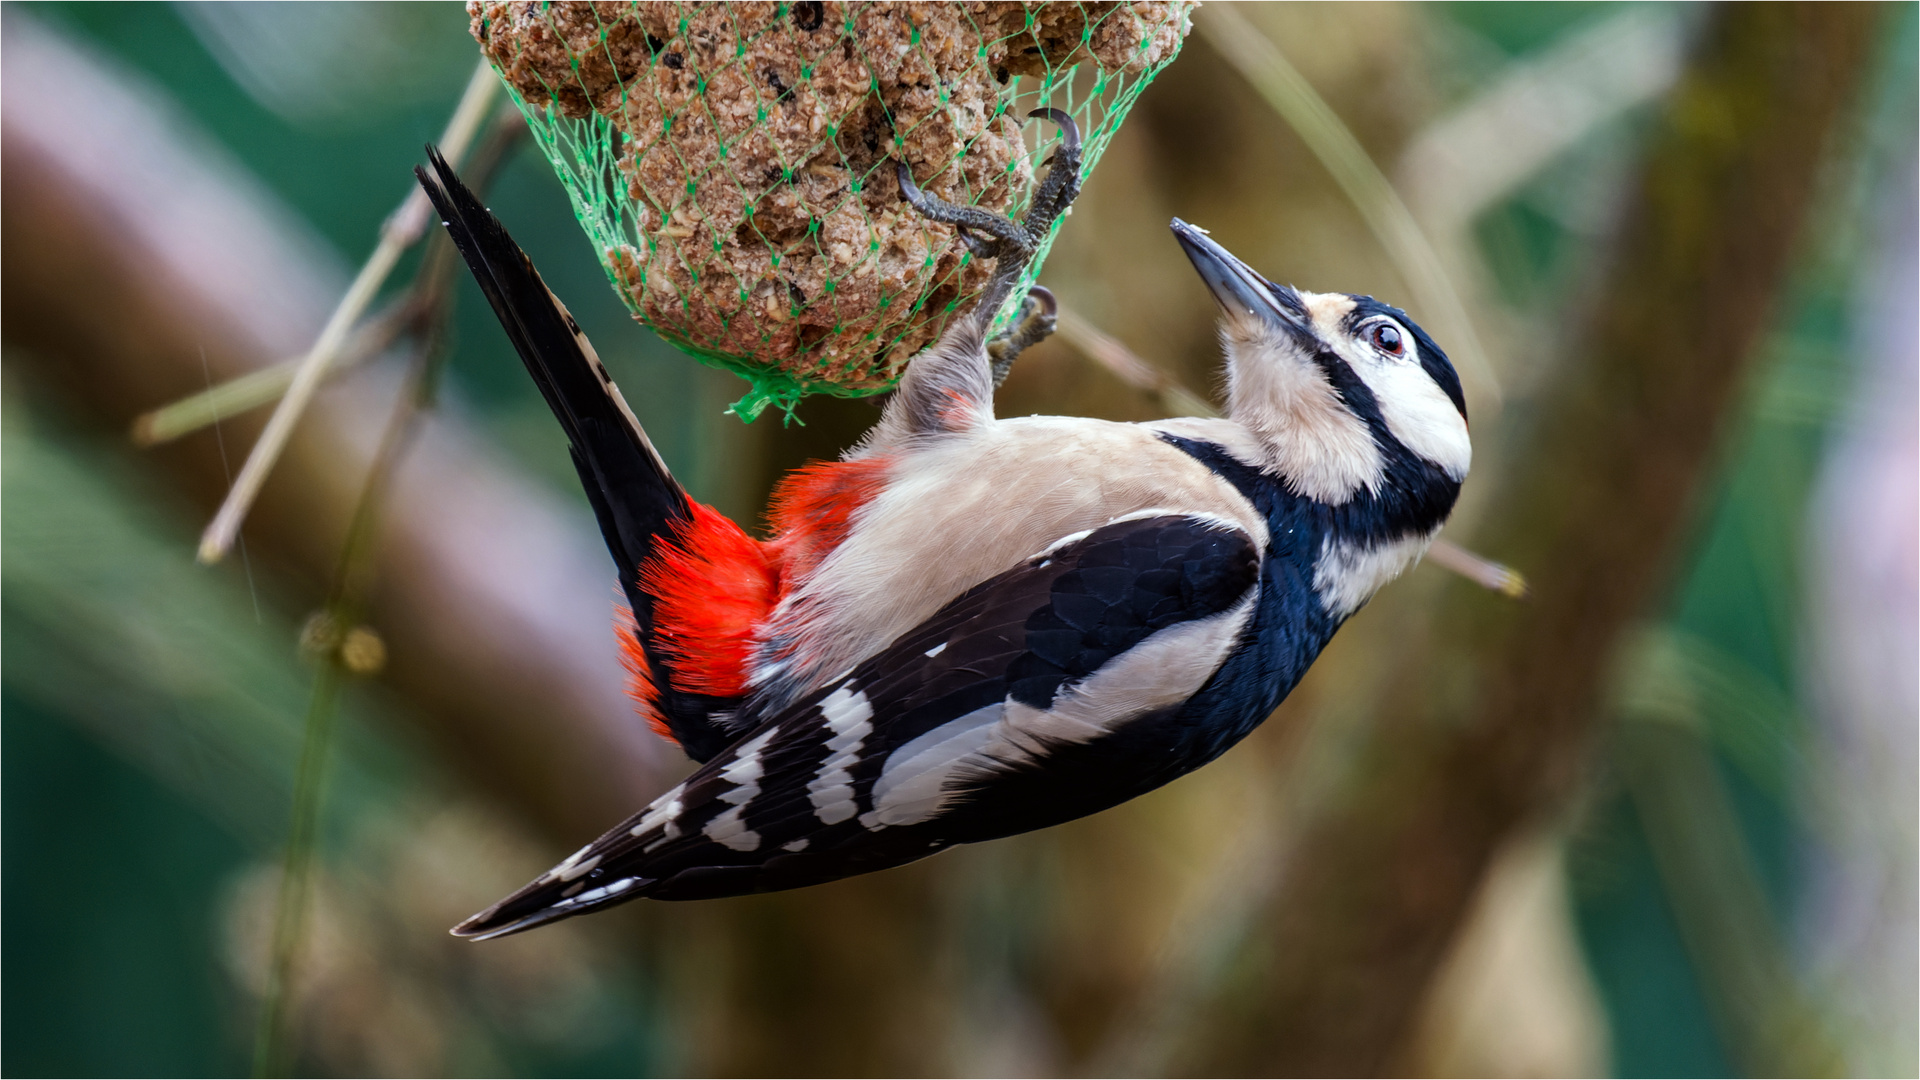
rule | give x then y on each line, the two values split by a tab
1235	285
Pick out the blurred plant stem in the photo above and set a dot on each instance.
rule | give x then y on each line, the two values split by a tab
327	637
1487	723
1262	64
1107	351
341	646
402	229
330	637
271	1046
1539	108
257	388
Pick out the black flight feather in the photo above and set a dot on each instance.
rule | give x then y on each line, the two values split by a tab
634	498
1023	636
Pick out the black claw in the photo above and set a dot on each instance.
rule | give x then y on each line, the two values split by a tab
1040	302
1069	131
982	249
909	190
1062	184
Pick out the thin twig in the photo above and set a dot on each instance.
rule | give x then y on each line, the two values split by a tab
1485	572
328	635
1387	217
1109	353
333	633
400	231
243	393
270	1057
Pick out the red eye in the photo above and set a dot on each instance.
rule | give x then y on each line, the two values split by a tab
1387	339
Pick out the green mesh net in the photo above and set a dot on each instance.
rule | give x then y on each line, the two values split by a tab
734	163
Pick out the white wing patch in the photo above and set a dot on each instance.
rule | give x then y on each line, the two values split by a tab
566	870
663	814
744	771
729	829
601	893
849	718
912	784
919	778
1347	574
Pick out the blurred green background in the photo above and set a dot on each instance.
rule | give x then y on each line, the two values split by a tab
1749	809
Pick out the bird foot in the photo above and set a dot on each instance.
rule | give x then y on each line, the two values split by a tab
1011	243
1034	324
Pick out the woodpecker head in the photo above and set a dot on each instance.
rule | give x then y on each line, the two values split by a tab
1338	386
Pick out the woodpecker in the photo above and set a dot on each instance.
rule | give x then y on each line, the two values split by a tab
970	627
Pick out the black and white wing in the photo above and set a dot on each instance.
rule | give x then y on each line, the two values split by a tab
1043	694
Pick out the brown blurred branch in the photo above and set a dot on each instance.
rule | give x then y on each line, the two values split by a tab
1489	722
1103	349
131	254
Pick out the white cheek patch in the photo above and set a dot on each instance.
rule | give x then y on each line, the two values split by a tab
1317	445
1417	412
1347	575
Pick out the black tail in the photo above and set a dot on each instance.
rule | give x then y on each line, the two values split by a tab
635	498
